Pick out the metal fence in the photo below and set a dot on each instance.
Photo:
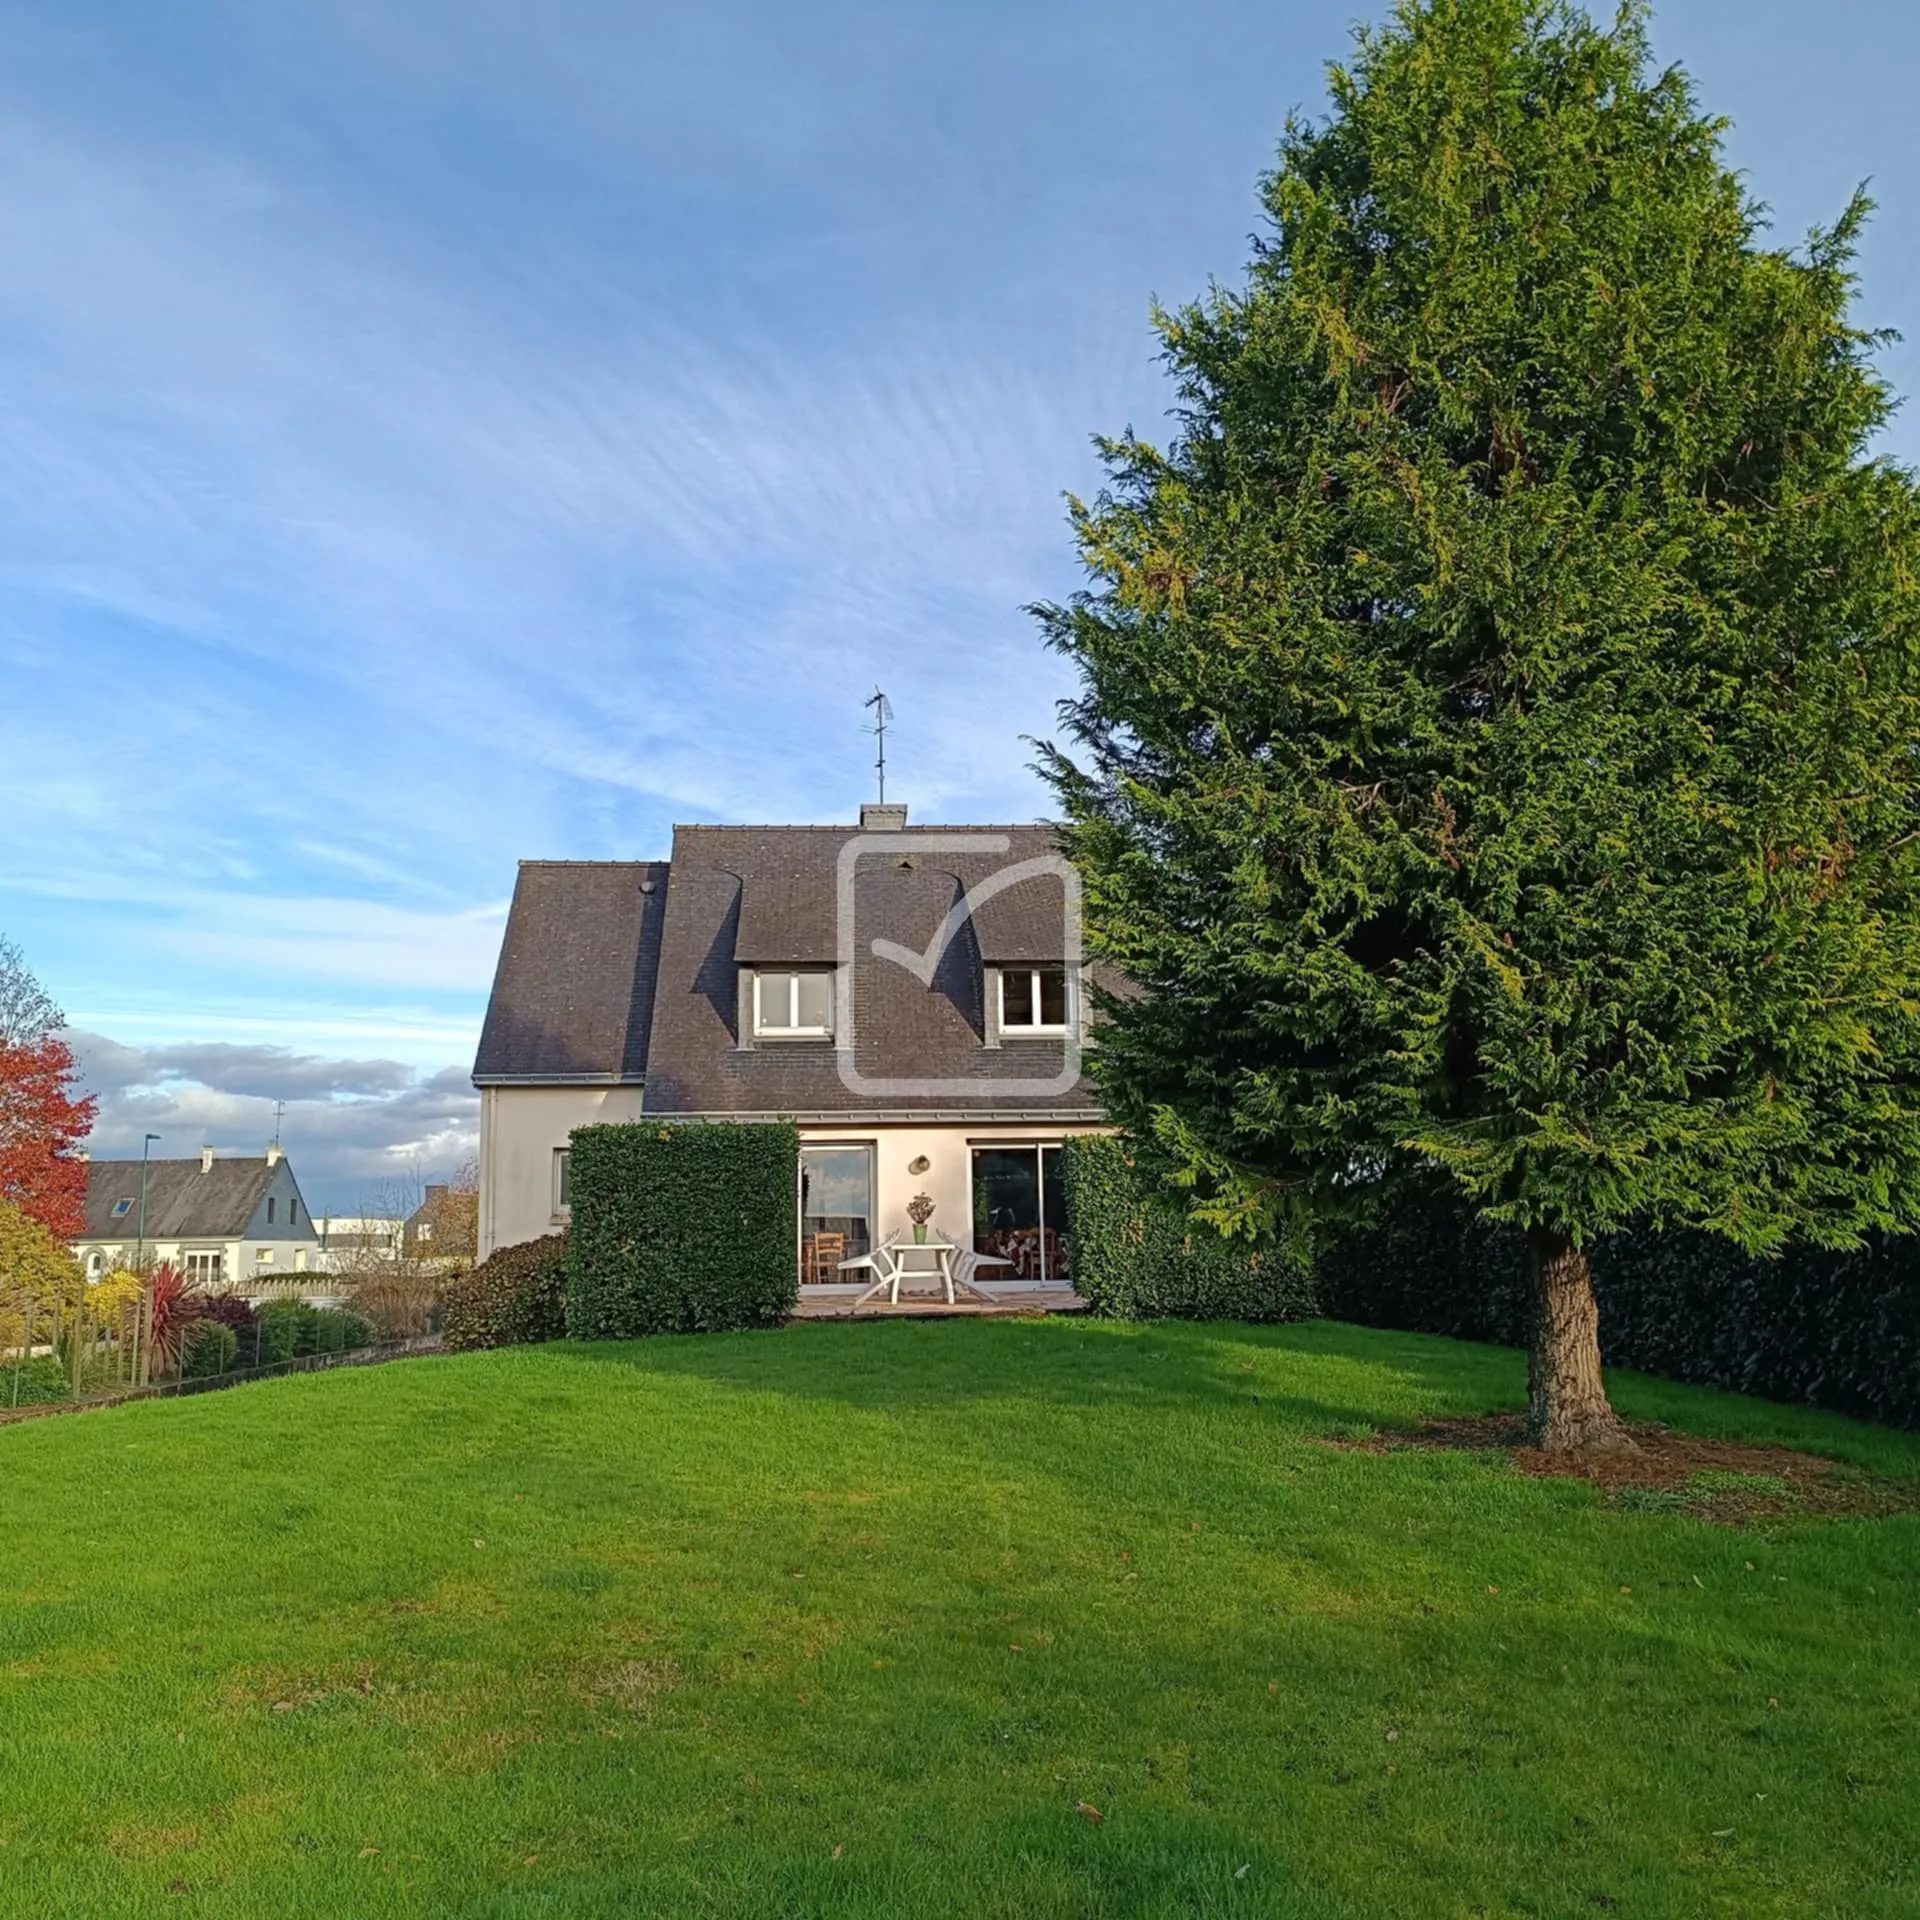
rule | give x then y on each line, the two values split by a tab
97	1342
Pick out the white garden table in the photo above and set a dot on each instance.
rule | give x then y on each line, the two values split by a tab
896	1259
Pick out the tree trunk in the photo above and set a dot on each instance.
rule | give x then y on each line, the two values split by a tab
1567	1408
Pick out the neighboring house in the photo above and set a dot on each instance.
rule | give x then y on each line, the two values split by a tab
351	1240
441	1228
237	1224
720	986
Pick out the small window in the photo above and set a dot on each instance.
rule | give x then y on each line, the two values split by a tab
271	1204
121	1208
293	1213
263	1257
1035	1000
563	1179
793	1005
95	1264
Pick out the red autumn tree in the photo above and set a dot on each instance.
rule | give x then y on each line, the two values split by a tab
43	1117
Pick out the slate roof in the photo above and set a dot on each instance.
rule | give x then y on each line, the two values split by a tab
599	981
763	896
573	993
183	1201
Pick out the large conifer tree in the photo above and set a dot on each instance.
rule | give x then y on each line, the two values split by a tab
1496	755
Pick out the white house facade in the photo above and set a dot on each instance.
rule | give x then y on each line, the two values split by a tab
911	998
230	1223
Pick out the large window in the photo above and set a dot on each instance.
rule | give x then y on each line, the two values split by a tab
1020	1213
836	1211
204	1269
793	1006
1035	1000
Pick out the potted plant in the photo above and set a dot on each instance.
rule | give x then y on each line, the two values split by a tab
920	1211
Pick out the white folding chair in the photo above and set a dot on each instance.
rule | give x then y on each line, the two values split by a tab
885	1268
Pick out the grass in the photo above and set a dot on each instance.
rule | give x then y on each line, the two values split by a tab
854	1620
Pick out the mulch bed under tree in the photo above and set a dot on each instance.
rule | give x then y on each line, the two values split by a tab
1667	1472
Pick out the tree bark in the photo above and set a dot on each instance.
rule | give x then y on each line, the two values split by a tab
1567	1406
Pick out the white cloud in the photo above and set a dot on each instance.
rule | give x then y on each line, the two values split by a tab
349	1127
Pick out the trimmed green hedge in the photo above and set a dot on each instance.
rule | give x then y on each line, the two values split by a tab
1137	1257
1837	1330
682	1228
515	1297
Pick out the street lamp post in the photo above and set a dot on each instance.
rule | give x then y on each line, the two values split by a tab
144	1365
140	1250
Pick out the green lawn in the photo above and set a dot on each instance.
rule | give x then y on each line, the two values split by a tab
850	1620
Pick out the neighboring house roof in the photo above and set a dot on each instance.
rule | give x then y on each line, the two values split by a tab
573	993
186	1200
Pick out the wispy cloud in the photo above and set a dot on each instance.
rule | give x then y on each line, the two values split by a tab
434	434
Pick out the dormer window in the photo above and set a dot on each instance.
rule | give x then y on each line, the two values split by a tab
1035	1000
793	1006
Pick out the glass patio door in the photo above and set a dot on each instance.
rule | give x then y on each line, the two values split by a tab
836	1211
1020	1213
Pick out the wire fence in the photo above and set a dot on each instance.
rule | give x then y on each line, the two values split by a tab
419	1344
96	1342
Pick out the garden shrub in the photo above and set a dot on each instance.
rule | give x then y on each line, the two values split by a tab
1836	1330
291	1330
234	1311
211	1347
1136	1256
682	1228
279	1327
514	1297
37	1381
338	1330
284	1331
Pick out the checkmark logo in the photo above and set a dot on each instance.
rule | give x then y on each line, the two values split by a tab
969	1090
923	966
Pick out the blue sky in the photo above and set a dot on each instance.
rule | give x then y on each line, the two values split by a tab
436	434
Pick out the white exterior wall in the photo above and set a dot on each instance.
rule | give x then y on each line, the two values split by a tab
948	1179
241	1264
519	1129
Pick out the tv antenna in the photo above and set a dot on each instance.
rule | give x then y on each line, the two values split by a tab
279	1114
882	720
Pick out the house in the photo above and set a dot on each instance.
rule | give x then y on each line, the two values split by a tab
911	997
349	1241
440	1230
232	1223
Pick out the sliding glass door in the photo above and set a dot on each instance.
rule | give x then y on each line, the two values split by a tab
836	1211
1020	1213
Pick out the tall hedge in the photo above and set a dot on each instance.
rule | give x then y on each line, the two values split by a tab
682	1228
1137	1257
1836	1330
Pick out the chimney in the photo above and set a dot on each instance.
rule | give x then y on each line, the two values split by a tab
82	1155
273	1153
882	818
206	1159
